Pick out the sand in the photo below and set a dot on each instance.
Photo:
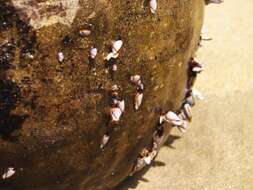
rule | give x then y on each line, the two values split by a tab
216	153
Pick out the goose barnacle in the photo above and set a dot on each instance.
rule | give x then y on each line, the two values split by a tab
116	113
121	105
93	52
116	45
112	62
138	100
114	67
145	158
139	165
112	55
153	6
161	120
171	118
84	32
189	99
10	172
60	57
182	128
195	66
182	115
135	79
198	69
105	140
188	111
140	87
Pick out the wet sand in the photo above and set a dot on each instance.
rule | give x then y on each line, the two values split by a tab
216	153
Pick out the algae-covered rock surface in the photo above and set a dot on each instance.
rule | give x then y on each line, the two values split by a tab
53	114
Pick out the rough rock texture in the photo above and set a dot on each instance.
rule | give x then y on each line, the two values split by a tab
53	115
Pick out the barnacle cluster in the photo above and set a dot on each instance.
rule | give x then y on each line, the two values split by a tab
90	90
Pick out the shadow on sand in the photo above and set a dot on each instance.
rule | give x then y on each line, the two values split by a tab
132	182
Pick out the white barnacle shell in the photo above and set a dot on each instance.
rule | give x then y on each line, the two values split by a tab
153	6
140	85
138	100
188	111
114	101
93	52
111	55
104	141
30	55
197	69
116	114
148	160
84	32
114	67
134	79
10	172
121	105
173	118
60	56
116	46
161	119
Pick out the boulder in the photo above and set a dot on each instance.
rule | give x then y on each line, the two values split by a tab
54	113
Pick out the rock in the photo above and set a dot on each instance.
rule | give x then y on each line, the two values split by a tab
53	115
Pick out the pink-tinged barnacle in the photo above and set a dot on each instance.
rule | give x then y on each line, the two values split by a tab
153	6
188	111
10	172
93	52
138	100
116	46
60	57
